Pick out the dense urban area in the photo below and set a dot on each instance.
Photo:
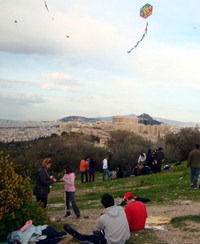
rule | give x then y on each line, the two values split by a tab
30	130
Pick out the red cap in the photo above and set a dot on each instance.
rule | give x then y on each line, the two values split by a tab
128	194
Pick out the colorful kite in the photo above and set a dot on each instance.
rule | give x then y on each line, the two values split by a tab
145	12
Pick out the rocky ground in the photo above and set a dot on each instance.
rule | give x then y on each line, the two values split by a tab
170	235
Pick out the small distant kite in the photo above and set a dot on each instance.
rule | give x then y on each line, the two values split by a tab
45	4
15	23
145	12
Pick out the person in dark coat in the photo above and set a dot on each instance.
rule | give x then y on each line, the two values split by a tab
159	159
43	182
149	158
119	173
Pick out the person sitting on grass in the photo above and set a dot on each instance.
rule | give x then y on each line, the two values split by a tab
112	224
136	212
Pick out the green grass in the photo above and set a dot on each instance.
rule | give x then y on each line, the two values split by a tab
180	222
161	188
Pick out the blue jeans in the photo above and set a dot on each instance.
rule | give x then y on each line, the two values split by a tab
84	174
70	197
105	171
194	176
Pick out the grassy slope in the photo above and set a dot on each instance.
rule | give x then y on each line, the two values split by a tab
161	188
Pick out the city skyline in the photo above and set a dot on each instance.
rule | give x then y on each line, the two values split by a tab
70	58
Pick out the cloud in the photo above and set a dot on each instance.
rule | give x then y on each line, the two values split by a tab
60	81
8	83
20	99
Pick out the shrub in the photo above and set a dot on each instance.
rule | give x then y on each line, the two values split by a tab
181	143
16	204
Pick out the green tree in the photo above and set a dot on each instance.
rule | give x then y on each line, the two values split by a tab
181	143
129	151
16	204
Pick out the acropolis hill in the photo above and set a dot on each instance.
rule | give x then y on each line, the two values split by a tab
30	130
102	128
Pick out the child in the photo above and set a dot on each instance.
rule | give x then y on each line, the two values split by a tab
69	178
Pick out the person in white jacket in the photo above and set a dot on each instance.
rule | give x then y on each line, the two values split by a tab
142	159
112	223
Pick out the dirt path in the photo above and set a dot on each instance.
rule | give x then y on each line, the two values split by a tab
170	235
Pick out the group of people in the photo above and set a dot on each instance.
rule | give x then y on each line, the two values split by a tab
149	163
44	180
87	167
87	171
115	223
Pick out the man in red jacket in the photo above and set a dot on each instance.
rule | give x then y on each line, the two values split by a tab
84	168
136	212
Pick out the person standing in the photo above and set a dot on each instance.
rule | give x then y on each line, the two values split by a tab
149	158
142	159
69	178
112	224
193	162
84	166
128	170
43	182
159	159
136	212
105	169
91	169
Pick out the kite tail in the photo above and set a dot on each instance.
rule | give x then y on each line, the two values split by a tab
47	9
145	33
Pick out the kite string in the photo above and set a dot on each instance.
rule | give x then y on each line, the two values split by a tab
145	33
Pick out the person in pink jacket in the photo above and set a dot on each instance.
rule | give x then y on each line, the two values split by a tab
69	178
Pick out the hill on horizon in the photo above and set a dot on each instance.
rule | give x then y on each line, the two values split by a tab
153	120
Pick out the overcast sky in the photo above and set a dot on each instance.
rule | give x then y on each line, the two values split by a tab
73	60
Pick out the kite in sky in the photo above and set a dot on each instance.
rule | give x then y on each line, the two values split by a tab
45	4
145	12
15	23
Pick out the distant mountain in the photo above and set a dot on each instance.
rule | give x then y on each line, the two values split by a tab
147	120
77	119
131	115
175	122
8	120
109	119
143	119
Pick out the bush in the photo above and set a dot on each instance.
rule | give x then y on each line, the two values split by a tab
181	143
129	151
16	204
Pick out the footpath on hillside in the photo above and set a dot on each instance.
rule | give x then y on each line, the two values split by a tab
169	235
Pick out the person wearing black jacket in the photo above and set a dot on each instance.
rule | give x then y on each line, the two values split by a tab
43	182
